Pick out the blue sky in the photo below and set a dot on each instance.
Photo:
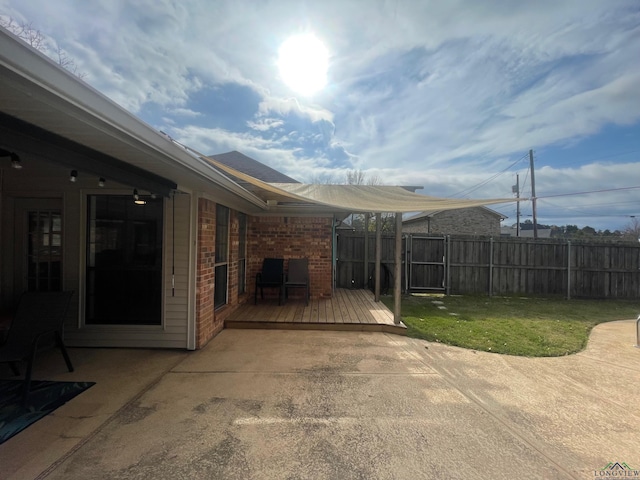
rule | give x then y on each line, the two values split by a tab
441	94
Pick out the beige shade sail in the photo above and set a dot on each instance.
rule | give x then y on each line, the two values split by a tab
378	198
356	198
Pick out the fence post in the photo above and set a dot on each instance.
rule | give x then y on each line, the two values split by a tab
447	264
568	269
407	259
490	266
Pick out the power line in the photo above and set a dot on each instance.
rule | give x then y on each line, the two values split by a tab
493	177
591	160
589	192
609	204
579	212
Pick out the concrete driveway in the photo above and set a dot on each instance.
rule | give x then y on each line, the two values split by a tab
259	404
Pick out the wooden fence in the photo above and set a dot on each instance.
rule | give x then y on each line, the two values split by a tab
496	266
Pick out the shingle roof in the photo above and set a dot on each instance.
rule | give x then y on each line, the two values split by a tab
432	213
248	165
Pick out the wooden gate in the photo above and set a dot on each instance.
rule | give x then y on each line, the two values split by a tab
426	261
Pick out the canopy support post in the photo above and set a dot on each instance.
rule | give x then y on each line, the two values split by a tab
397	274
365	266
378	256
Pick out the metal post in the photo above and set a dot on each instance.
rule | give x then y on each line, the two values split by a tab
376	289
518	205
638	332
533	195
397	274
365	269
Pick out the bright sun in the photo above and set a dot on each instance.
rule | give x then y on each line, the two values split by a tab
303	61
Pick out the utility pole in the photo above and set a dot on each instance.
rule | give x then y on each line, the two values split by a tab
533	195
516	189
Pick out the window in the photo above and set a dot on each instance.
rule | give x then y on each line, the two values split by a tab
44	251
242	253
124	261
222	256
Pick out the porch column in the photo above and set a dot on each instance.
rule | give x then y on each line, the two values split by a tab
397	274
378	256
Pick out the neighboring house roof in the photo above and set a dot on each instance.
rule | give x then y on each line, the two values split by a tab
252	167
433	213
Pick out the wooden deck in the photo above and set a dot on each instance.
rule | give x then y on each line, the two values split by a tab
346	310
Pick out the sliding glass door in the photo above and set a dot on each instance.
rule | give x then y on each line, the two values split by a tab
124	261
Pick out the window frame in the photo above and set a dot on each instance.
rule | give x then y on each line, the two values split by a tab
221	257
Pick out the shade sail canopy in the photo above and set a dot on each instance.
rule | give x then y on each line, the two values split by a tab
353	198
378	198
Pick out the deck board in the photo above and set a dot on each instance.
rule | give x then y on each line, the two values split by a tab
346	310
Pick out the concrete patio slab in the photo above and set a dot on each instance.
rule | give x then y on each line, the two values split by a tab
309	404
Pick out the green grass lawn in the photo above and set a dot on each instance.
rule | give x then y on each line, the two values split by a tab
534	326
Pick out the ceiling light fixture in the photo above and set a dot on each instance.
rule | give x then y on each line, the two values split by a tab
15	161
136	198
73	176
101	182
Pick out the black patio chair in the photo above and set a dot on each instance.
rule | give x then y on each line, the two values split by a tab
298	277
39	317
271	276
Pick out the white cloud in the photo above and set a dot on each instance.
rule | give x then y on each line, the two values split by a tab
285	106
443	94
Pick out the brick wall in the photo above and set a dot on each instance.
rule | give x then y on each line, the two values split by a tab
206	326
291	237
463	221
282	237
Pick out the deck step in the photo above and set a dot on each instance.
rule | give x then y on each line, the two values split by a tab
348	327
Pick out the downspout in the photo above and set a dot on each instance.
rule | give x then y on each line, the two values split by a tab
193	272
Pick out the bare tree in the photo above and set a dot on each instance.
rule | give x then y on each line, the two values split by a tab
374	180
26	32
387	220
68	63
632	229
36	39
355	177
324	179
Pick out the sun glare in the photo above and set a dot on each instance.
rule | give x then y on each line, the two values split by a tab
303	61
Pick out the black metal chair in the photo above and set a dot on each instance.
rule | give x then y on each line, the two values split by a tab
271	276
298	277
40	316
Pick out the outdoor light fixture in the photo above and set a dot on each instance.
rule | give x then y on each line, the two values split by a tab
101	182
136	198
15	161
74	176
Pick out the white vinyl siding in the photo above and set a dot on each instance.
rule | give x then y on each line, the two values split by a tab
172	333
